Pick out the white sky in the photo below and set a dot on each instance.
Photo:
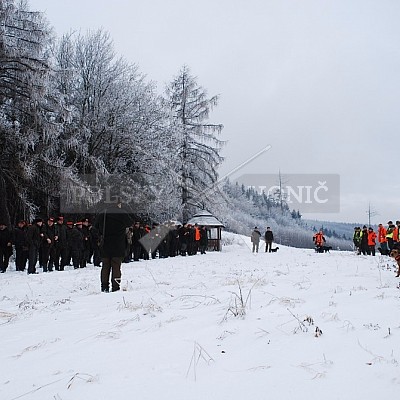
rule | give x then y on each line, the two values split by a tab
319	81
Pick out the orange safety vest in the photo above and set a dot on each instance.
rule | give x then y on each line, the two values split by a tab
382	235
197	234
371	238
396	234
319	239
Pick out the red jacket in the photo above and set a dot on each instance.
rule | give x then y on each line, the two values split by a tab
319	239
382	234
396	234
371	238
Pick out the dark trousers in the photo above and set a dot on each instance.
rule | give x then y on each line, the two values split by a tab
365	249
33	257
4	258
75	255
48	256
137	250
371	250
96	256
60	258
268	245
21	257
111	265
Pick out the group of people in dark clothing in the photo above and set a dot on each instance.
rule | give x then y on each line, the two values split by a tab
168	240
53	244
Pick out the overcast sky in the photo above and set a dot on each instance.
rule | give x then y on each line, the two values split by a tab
318	80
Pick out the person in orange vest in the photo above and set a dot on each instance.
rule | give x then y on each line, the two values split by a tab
371	241
319	239
383	247
197	237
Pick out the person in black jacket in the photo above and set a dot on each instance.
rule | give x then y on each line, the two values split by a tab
74	244
35	237
136	245
269	237
5	246
94	237
48	248
183	239
21	246
61	245
112	222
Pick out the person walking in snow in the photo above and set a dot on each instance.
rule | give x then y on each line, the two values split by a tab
255	239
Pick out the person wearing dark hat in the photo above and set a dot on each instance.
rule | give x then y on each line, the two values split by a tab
60	258
269	237
112	224
94	237
389	235
21	245
34	237
87	248
74	243
364	241
136	245
82	259
48	245
371	241
5	246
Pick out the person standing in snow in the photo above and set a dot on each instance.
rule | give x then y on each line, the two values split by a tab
319	239
34	237
364	241
112	224
371	241
21	246
382	240
269	237
255	239
5	246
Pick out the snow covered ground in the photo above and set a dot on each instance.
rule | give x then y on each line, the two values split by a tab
229	325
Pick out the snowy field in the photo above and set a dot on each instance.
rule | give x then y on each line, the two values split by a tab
229	325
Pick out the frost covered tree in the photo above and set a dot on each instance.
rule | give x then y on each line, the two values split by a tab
197	145
118	127
28	113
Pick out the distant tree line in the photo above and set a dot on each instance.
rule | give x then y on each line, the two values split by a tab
242	208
